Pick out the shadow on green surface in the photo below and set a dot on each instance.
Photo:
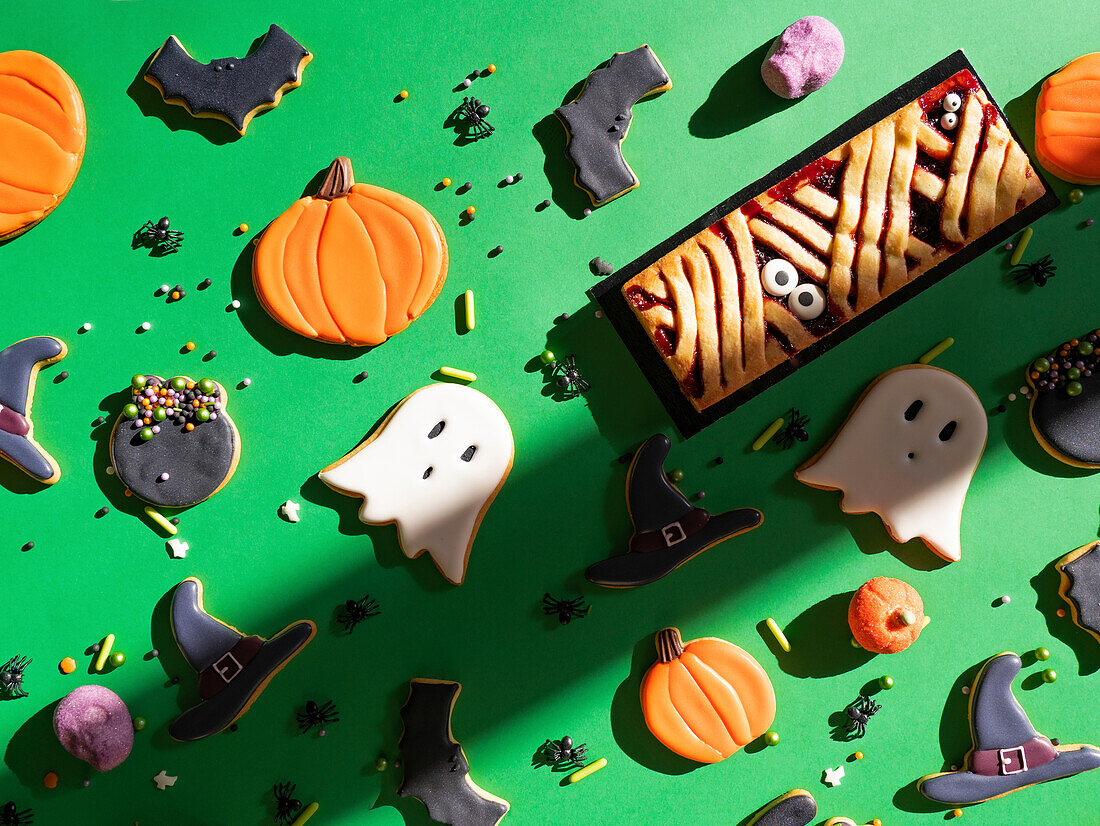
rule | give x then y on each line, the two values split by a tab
1047	602
738	99
821	641
149	101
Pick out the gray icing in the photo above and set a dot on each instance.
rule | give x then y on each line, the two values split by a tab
795	808
1071	424
1084	589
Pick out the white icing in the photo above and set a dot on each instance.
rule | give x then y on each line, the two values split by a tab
868	459
438	513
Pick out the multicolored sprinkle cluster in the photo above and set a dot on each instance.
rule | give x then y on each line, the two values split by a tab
1064	368
178	401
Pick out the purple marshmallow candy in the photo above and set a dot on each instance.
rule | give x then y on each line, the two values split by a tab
804	58
94	724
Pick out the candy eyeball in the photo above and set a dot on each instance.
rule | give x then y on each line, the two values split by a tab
779	277
806	301
952	102
949	120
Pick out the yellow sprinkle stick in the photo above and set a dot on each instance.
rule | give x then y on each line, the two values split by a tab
591	768
766	436
308	812
1021	245
928	357
158	517
777	632
469	309
104	651
455	373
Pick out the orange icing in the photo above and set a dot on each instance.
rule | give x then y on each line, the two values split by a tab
354	267
42	136
708	699
874	615
1067	121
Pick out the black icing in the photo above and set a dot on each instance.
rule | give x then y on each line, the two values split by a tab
1084	587
1071	424
912	410
597	121
795	808
232	88
436	771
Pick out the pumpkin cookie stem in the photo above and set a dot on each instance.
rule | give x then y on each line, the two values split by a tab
339	180
669	644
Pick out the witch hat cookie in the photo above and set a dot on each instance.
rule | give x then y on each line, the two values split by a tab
1008	753
233	669
795	808
668	529
19	365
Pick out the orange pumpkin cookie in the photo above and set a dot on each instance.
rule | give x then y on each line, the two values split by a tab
42	135
707	698
886	615
353	264
1067	121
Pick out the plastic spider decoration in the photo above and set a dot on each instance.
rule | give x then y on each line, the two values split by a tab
1038	272
562	755
158	237
286	804
569	378
474	112
317	715
11	816
11	676
860	711
566	609
795	428
355	611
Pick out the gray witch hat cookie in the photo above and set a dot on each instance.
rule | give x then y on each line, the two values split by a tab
1008	753
668	529
233	668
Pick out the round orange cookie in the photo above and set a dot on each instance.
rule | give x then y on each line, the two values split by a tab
1067	121
707	698
42	135
875	615
353	264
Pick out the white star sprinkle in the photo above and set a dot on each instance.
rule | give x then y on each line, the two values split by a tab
832	777
163	781
177	548
290	509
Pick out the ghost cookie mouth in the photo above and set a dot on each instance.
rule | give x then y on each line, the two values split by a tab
432	468
907	452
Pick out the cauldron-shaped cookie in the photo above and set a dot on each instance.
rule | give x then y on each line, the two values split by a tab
174	445
1065	407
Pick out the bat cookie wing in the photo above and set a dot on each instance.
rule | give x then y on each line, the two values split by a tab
230	89
1080	586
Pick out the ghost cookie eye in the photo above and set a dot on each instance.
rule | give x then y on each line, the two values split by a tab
468	453
435	431
912	410
948	431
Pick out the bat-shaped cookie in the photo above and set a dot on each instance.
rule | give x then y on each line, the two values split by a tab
1080	587
598	120
230	88
19	365
436	771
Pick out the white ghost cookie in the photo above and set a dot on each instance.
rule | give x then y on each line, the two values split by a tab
432	467
907	452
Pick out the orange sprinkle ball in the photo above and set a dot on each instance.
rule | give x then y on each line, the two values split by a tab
446	182
50	780
175	295
858	755
470	210
190	345
957	813
67	665
403	94
243	228
491	68
1061	612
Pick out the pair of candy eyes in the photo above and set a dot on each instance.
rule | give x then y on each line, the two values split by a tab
946	432
467	454
780	279
952	103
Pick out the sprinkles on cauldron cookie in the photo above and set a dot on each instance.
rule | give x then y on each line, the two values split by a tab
1064	368
178	400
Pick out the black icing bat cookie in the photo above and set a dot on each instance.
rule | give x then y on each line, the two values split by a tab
436	771
230	89
1080	572
596	122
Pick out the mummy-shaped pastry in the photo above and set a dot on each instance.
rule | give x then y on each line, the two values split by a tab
907	452
432	467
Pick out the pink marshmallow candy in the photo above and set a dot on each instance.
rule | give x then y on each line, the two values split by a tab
94	724
804	58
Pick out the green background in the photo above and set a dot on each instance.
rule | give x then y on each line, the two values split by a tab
525	678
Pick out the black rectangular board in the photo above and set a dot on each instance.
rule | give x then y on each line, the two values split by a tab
608	293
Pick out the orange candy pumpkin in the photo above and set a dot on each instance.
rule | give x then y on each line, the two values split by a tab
353	264
1067	121
707	698
878	615
42	136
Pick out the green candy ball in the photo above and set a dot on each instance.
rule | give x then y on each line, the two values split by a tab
160	414
1085	348
130	411
1076	196
1074	388
771	738
1041	364
1073	373
886	681
179	383
1042	654
547	357
139	723
676	475
202	414
1050	675
146	434
381	764
207	386
117	659
138	382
